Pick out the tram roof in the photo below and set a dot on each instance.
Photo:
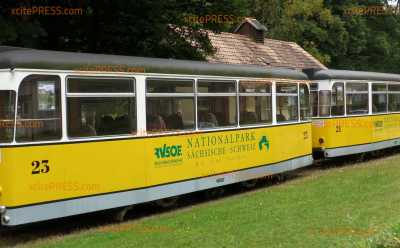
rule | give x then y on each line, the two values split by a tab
352	75
16	57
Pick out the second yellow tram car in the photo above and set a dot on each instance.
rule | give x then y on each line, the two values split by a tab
354	112
83	132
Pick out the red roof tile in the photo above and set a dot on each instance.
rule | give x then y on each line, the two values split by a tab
240	49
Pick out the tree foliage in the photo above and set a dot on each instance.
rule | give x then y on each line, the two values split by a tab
368	41
132	27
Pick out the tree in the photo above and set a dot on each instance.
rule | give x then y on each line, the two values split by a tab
338	40
145	28
118	27
374	39
308	23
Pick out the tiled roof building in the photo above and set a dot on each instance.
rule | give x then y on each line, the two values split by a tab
247	45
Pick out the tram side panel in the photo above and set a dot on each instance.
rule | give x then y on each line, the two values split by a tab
6	178
50	181
351	135
213	153
44	173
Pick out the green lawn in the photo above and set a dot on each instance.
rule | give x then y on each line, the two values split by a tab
338	207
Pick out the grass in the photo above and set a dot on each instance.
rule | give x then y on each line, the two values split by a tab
349	206
387	239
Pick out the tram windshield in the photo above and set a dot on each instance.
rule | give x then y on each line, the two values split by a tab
7	115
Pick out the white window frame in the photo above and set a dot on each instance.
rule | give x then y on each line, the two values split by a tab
103	95
255	94
169	95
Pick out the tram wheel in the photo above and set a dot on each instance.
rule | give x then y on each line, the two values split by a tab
167	202
377	153
120	214
249	184
360	157
214	193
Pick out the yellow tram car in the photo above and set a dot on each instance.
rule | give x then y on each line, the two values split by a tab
354	112
83	132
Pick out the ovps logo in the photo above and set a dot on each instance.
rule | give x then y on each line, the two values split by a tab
168	151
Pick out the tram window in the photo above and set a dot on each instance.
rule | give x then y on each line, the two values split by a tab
394	102
304	102
216	104
394	97
255	102
101	116
394	87
254	87
39	109
92	114
314	99
379	88
216	111
286	102
337	105
379	98
169	86
357	98
7	112
314	103
170	113
170	104
216	87
324	106
105	85
357	87
314	87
